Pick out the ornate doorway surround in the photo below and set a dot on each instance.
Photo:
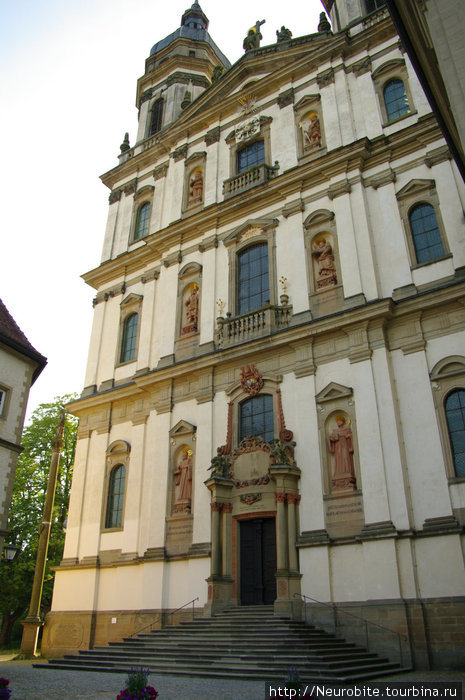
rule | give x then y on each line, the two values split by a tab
257	480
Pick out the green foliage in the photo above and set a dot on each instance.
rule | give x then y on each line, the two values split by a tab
137	680
26	509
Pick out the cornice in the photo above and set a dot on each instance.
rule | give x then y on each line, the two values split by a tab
218	102
361	155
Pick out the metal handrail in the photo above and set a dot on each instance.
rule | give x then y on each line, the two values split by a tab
162	616
367	622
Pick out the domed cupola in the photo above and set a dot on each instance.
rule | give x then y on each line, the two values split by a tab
178	70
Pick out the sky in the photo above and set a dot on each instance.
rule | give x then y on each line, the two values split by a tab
67	96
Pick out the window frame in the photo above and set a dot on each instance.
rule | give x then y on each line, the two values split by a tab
236	146
389	105
5	393
114	516
237	395
395	69
117	454
417	251
141	198
252	232
413	194
456	390
155	103
447	376
249	401
131	305
242	265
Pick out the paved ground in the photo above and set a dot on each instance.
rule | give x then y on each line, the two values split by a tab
28	683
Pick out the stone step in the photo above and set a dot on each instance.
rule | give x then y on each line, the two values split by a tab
240	643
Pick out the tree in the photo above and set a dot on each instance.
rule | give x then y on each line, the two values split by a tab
26	508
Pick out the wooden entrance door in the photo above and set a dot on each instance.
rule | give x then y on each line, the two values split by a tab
258	561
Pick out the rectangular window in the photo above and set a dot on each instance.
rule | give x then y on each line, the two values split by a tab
256	418
2	401
251	156
253	290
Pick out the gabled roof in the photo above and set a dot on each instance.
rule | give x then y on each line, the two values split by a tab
12	336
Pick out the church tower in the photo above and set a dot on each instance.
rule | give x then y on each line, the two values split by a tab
275	389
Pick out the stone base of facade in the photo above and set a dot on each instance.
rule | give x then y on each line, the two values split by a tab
431	631
68	632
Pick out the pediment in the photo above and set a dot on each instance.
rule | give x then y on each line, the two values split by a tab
448	367
254	226
118	447
393	64
131	299
415	187
144	191
307	101
182	428
332	392
192	268
318	218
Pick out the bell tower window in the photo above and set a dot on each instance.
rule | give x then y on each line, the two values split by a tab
156	118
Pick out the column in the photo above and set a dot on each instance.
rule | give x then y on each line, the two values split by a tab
227	539
216	508
292	500
281	532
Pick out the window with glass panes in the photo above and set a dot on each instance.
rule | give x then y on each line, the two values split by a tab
250	156
129	340
395	99
256	418
253	290
142	221
455	415
425	233
372	5
114	515
156	117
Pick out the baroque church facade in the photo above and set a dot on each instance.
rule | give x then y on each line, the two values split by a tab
275	390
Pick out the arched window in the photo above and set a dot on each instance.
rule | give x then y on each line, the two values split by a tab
129	340
256	418
114	514
395	99
455	416
425	233
250	156
253	289
142	221
156	118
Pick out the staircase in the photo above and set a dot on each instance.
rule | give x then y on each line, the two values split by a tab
246	643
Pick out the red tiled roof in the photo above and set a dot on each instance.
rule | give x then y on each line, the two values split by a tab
12	335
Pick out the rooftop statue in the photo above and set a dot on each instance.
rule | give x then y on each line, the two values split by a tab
283	34
254	36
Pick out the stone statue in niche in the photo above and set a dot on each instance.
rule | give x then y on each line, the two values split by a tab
183	483
311	131
191	311
341	445
196	187
322	251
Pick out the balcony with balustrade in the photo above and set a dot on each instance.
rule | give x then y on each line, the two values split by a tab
232	330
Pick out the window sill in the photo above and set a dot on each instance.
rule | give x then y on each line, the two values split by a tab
447	256
395	121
